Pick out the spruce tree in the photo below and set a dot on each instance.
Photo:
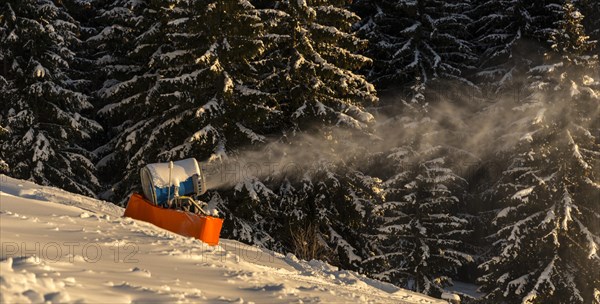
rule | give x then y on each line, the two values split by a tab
3	131
417	43
327	210
309	68
251	210
83	67
197	96
501	31
419	242
513	36
547	231
113	32
311	71
591	12
3	135
42	113
130	45
565	58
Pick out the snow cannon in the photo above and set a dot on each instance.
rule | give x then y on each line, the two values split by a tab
169	200
162	182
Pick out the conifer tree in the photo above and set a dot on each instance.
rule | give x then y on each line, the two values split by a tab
308	67
566	56
114	33
198	97
319	205
416	43
327	210
250	209
591	12
3	131
548	233
3	136
501	31
312	70
131	50
547	229
513	38
419	242
228	94
83	67
42	113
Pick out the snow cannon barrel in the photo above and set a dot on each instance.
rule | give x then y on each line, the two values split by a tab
161	182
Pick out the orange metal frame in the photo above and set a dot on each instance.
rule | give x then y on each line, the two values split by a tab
205	228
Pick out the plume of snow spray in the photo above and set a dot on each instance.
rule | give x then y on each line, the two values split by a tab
480	128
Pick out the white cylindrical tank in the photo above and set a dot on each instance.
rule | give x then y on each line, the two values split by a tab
161	183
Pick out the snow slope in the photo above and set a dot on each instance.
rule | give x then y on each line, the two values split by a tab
62	247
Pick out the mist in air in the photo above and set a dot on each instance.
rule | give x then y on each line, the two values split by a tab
478	128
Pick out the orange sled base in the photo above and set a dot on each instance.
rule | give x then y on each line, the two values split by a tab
202	227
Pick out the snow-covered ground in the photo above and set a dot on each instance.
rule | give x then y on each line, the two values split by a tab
62	247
